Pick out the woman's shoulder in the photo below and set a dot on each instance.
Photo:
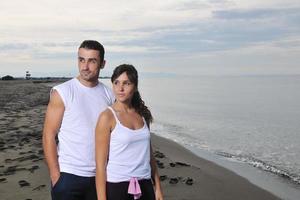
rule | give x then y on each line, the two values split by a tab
106	120
106	114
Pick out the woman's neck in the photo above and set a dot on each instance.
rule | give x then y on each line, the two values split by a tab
123	107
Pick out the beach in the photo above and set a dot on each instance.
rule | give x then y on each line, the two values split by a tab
24	175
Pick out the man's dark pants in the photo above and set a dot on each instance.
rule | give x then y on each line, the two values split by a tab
72	187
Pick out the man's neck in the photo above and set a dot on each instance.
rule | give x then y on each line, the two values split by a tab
88	83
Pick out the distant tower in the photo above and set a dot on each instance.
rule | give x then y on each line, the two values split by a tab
28	75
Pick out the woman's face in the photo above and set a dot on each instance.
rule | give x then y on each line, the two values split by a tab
123	88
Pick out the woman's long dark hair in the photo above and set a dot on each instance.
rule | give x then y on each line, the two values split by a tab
137	103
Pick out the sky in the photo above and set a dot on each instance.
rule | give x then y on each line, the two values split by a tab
170	37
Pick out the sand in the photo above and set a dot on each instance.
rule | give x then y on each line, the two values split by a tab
24	175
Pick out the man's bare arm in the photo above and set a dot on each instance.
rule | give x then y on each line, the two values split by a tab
53	119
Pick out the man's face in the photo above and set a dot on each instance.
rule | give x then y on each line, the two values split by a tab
89	64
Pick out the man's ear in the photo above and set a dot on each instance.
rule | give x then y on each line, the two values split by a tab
102	64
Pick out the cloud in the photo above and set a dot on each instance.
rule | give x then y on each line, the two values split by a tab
42	32
248	14
13	46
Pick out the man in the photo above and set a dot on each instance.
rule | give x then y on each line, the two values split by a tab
72	114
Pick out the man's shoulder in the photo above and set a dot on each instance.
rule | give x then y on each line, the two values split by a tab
65	84
108	91
101	84
105	87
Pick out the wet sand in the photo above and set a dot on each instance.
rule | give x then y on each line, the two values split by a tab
24	175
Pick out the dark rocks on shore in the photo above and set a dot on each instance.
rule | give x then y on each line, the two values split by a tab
23	158
172	164
2	180
160	164
158	154
8	160
173	180
23	183
33	168
189	181
163	177
41	152
13	169
39	187
182	164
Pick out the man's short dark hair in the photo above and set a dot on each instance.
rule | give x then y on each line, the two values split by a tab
94	45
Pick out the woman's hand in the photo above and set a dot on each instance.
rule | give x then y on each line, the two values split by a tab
158	195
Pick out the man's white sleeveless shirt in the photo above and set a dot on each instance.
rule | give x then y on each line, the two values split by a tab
83	105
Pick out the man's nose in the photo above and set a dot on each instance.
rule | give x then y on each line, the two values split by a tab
85	65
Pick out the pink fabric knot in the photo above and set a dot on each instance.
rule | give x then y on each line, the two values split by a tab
134	188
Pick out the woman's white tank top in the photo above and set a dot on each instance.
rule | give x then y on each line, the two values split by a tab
129	153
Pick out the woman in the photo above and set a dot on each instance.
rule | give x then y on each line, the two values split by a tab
124	158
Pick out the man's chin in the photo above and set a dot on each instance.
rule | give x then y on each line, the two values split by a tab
85	76
88	78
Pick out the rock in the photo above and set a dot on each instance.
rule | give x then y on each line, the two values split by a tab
173	181
160	164
172	164
39	187
182	164
23	183
163	177
189	181
158	154
33	168
2	180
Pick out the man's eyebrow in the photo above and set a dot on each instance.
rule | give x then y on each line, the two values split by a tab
79	57
92	59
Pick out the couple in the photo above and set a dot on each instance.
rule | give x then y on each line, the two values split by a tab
99	135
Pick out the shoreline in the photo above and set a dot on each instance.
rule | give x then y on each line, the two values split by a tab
278	185
211	181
